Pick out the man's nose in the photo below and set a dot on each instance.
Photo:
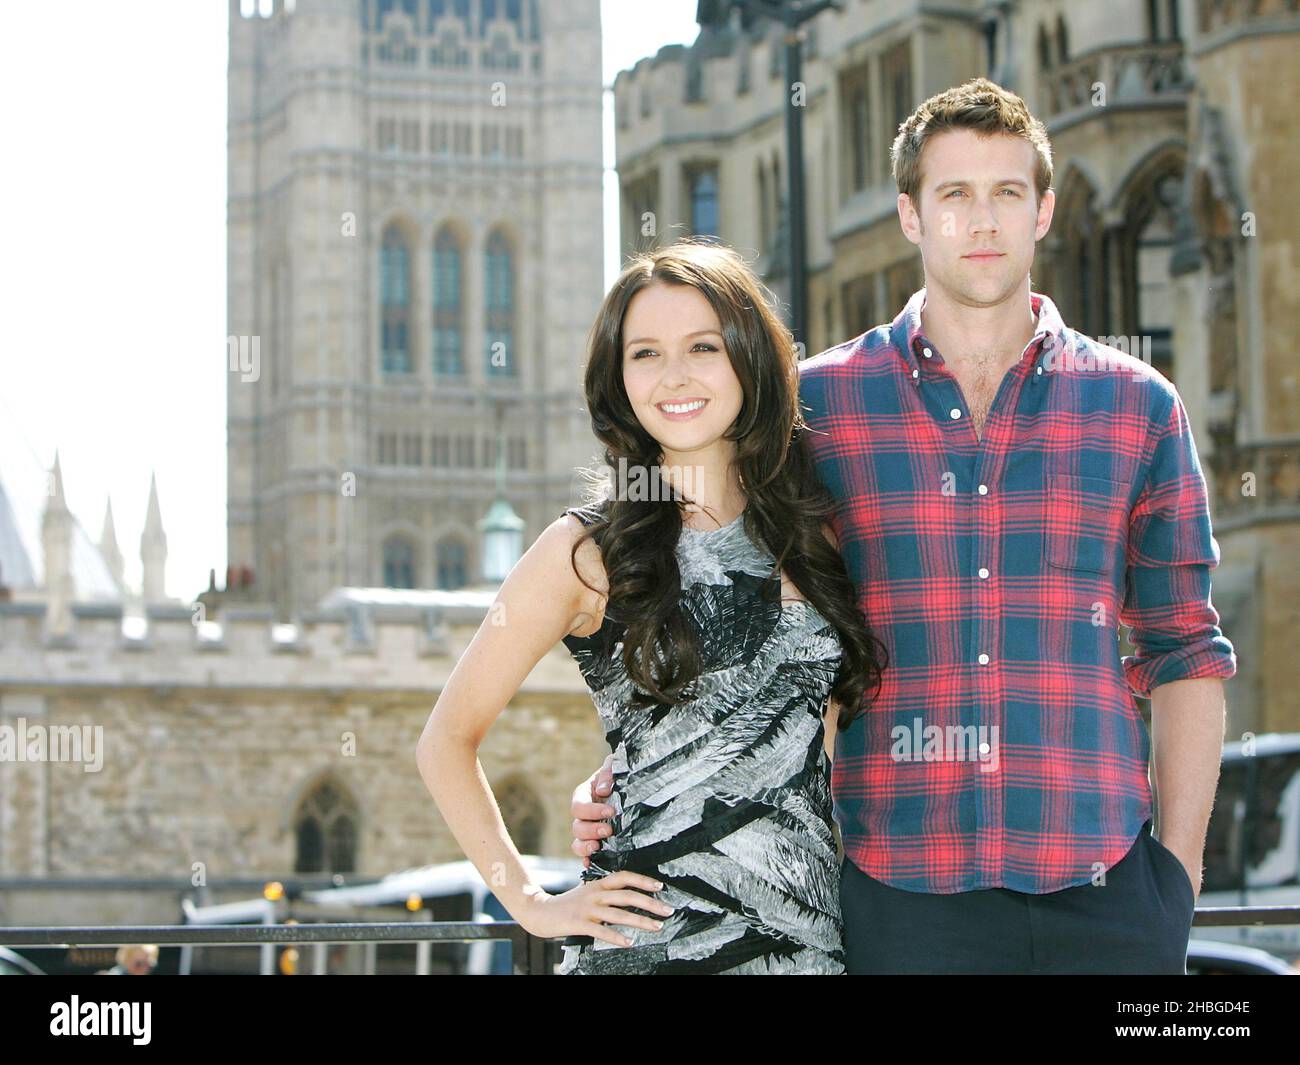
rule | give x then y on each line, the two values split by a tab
983	218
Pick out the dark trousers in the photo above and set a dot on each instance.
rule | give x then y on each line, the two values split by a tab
1138	922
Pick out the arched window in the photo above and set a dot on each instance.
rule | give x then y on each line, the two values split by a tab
1077	256
1154	283
1062	40
859	115
1139	249
521	810
1044	48
780	248
395	301
695	82
704	202
448	360
453	566
325	831
399	563
1162	20
500	307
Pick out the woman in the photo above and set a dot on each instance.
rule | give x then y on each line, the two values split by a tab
711	617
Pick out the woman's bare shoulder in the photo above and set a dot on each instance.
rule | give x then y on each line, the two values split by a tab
589	584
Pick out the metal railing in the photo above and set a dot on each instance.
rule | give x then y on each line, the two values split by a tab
530	955
1256	916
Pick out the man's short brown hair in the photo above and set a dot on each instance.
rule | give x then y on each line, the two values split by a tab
980	105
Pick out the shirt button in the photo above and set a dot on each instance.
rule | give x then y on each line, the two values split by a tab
955	412
983	573
928	353
916	373
1038	369
984	489
984	748
984	660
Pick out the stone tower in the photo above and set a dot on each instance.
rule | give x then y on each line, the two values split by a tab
415	257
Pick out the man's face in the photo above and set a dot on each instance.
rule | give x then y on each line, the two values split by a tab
976	223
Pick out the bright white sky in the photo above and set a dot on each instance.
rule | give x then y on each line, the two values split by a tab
113	263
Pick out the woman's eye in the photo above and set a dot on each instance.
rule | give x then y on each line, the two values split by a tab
701	346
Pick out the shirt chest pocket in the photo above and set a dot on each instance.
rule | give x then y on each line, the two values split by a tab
1086	523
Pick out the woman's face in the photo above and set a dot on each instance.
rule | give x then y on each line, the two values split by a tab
677	373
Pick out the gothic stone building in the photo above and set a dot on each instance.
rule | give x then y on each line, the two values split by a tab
405	177
1174	132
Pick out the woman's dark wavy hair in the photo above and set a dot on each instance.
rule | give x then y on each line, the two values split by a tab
787	502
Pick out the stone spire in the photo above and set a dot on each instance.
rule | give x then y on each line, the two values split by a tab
153	550
56	546
108	546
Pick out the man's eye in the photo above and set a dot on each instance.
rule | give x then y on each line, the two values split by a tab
1012	191
955	192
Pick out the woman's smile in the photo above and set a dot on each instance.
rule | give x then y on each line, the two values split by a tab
680	410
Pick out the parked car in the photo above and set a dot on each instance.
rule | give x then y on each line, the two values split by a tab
1252	846
13	964
1209	958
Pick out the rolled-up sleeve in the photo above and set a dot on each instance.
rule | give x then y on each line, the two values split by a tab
1172	623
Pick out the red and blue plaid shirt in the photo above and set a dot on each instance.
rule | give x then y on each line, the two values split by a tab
1005	749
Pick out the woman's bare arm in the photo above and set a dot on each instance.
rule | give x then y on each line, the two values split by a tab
539	603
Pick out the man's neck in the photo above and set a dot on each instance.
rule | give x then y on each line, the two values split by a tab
981	336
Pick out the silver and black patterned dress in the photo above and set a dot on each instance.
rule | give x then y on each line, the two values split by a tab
725	799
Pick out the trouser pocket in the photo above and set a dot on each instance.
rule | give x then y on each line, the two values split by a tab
1173	869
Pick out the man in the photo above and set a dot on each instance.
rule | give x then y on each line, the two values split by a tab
1009	490
133	960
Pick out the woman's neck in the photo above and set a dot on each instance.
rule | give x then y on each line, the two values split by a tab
713	497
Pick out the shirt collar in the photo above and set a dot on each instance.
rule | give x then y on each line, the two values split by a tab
912	344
